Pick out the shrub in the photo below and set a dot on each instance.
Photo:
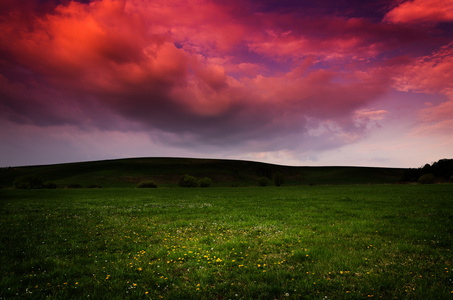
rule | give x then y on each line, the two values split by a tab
205	182
28	182
49	185
188	181
427	178
74	186
279	179
147	184
263	181
94	186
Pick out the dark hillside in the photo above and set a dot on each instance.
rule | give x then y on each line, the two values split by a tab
168	171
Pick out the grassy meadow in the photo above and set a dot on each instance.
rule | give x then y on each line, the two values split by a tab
310	242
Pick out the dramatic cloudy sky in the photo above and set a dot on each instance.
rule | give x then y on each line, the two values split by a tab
326	82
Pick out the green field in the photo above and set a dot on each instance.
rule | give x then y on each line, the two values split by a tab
310	242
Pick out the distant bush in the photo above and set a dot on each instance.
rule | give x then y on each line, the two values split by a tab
49	185
74	186
205	182
263	181
279	179
188	181
94	186
28	182
427	178
147	184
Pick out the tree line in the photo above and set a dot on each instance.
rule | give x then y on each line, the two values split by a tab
440	171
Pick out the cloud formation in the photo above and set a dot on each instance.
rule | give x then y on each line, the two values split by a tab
199	72
432	74
425	11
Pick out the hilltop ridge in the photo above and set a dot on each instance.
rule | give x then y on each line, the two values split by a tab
166	171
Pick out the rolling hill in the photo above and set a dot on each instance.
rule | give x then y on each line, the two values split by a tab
166	172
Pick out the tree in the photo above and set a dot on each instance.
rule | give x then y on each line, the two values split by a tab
28	182
443	168
147	184
188	181
263	181
279	179
205	182
49	185
427	178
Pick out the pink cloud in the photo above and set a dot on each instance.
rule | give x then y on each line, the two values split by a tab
416	11
333	38
432	74
184	68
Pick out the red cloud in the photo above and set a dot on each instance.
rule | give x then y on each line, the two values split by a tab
329	39
184	68
432	74
416	11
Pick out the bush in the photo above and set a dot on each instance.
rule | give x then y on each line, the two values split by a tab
279	179
94	186
188	181
74	186
205	182
147	184
263	181
49	185
427	178
28	182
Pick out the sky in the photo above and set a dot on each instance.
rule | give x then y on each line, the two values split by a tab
314	83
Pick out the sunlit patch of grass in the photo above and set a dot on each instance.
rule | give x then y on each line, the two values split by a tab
242	243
